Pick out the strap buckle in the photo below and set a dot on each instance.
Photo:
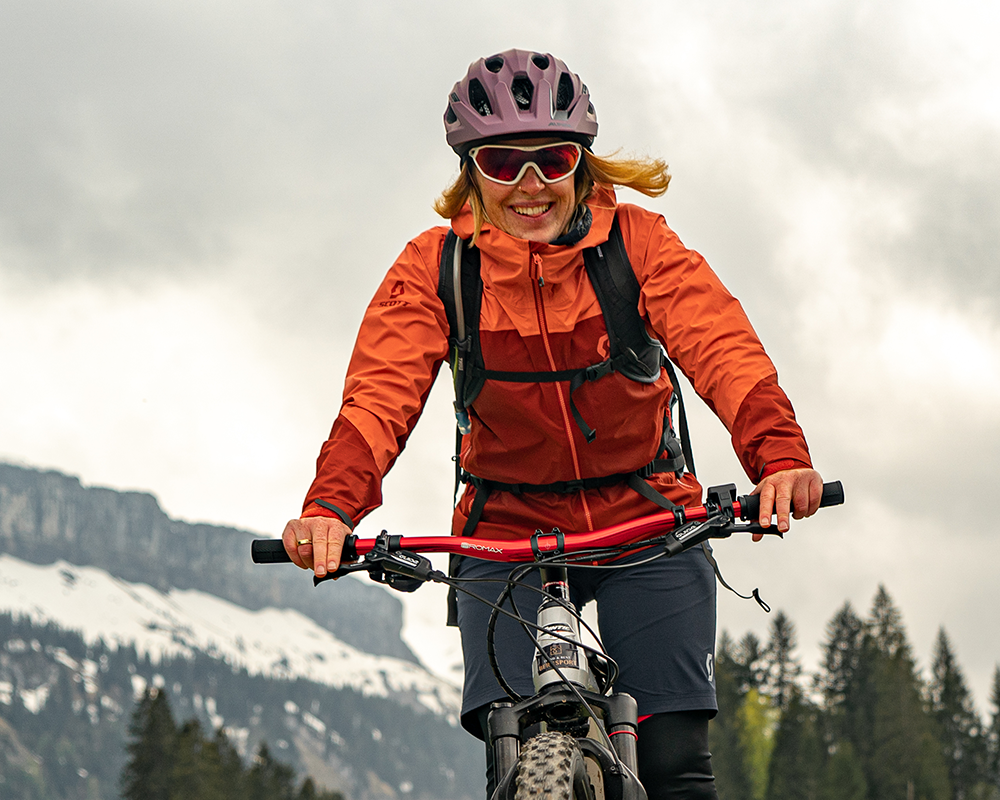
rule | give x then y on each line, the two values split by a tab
597	371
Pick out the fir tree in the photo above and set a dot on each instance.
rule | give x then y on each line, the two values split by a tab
843	777
841	657
728	755
846	693
756	720
904	760
781	668
269	779
993	739
958	725
885	627
796	762
148	775
189	773
748	658
223	769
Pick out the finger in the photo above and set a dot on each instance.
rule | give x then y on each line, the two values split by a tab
320	536
815	493
335	544
807	495
801	500
766	504
782	506
290	536
304	545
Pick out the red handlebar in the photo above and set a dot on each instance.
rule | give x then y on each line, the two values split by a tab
269	551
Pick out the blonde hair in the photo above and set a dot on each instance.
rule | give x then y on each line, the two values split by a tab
464	190
648	176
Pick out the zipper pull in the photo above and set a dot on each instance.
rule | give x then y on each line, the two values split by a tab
538	269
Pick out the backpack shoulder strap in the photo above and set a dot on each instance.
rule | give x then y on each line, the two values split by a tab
633	351
460	288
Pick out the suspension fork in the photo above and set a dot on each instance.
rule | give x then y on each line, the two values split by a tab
560	706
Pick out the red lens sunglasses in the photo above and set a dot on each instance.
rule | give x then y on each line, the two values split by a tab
506	164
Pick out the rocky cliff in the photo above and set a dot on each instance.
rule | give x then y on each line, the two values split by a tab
46	516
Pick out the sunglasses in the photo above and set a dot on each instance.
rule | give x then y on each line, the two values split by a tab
506	164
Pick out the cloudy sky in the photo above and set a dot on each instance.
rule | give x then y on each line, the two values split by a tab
198	199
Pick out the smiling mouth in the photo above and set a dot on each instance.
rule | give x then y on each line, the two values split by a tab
532	211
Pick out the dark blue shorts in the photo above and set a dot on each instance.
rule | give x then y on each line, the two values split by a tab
656	620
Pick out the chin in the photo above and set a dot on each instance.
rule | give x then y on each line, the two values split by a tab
535	233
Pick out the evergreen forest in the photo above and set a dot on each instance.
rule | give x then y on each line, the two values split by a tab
867	726
74	716
171	762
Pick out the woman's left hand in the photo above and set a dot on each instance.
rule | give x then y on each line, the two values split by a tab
794	492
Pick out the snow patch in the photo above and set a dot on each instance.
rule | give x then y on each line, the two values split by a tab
277	643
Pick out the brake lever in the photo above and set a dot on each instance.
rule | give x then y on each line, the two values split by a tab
717	526
342	570
756	527
401	570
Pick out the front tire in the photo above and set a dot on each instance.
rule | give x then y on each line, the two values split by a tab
551	767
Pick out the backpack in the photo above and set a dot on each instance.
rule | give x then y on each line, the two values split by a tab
632	352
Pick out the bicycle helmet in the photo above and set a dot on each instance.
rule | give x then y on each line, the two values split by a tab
518	92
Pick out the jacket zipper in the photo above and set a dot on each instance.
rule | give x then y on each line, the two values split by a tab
538	281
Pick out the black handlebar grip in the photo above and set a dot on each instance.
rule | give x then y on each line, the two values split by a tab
833	495
269	551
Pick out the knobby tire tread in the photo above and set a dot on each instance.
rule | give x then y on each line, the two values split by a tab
551	767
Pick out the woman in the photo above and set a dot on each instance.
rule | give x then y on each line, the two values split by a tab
532	198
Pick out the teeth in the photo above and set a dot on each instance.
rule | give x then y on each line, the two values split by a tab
532	211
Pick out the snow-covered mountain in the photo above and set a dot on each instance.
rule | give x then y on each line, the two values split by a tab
275	643
102	595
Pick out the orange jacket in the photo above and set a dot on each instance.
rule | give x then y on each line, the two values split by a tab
540	313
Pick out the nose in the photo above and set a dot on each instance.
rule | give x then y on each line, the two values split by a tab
532	182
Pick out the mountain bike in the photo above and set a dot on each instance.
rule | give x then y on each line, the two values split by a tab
574	739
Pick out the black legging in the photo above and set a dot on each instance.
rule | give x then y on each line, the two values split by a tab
674	761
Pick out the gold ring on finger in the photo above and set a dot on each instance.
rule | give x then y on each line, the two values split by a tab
301	542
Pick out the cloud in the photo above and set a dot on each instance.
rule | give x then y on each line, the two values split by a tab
199	200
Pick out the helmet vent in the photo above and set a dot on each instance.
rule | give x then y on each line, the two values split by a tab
522	90
540	61
494	63
564	92
478	98
450	116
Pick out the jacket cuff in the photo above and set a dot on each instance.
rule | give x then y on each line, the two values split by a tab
781	465
321	508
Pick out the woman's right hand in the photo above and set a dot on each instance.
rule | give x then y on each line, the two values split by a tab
315	543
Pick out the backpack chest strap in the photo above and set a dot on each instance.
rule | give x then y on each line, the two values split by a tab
671	460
